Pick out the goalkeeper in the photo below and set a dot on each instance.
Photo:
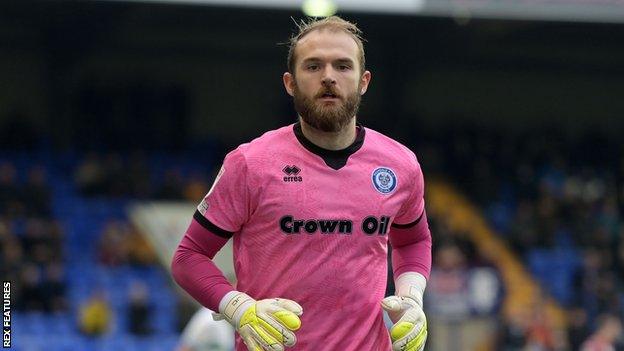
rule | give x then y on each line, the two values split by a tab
311	208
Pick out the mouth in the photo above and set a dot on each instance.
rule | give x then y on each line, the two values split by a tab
328	97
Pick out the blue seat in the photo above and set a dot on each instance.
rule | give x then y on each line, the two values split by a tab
555	269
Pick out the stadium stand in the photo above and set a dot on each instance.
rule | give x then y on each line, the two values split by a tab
76	262
554	201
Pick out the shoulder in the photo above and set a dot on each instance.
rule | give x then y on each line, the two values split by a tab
393	151
262	147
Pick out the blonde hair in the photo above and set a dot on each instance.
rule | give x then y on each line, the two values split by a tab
333	23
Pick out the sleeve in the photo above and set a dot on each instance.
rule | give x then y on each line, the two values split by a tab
414	207
193	269
221	213
409	235
226	206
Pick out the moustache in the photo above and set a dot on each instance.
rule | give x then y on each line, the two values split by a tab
328	92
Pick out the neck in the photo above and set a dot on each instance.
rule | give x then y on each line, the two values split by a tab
330	140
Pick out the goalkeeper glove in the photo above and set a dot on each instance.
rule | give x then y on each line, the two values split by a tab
409	332
265	325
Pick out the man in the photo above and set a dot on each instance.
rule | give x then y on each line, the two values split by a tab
202	333
311	208
608	332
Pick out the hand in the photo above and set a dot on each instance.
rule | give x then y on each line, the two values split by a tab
265	325
409	332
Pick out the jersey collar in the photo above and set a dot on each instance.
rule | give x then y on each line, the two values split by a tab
335	159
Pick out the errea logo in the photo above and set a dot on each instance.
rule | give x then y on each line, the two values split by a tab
292	174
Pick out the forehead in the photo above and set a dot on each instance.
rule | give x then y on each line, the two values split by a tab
327	44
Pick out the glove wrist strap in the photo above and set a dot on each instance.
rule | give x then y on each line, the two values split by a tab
233	305
412	285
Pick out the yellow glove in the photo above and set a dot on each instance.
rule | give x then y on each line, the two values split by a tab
409	332
265	325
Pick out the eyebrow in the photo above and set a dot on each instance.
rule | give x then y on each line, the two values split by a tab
317	59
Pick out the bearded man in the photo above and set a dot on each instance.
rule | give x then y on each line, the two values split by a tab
311	208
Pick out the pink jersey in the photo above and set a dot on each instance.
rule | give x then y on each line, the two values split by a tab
313	225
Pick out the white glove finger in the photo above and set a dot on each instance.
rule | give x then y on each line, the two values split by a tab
290	305
288	338
249	340
259	337
391	304
394	306
409	332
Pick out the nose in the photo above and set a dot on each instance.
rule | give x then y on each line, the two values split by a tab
328	81
328	78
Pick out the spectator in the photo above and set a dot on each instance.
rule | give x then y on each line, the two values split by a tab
540	334
12	257
113	249
139	309
514	330
604	338
587	281
54	288
90	176
203	333
577	327
137	175
95	315
447	299
36	194
195	189
140	251
38	244
172	186
115	177
10	203
31	295
120	244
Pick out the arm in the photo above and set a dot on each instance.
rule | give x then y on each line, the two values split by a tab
192	265
263	325
411	263
221	213
193	270
411	247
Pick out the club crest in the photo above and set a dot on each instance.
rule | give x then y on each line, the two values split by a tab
384	180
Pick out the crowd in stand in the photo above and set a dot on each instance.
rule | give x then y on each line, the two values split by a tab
31	241
95	314
114	176
121	243
464	292
548	191
32	251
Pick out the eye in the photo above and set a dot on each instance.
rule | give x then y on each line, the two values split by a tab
312	67
343	67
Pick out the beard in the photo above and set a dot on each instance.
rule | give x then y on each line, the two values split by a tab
326	117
